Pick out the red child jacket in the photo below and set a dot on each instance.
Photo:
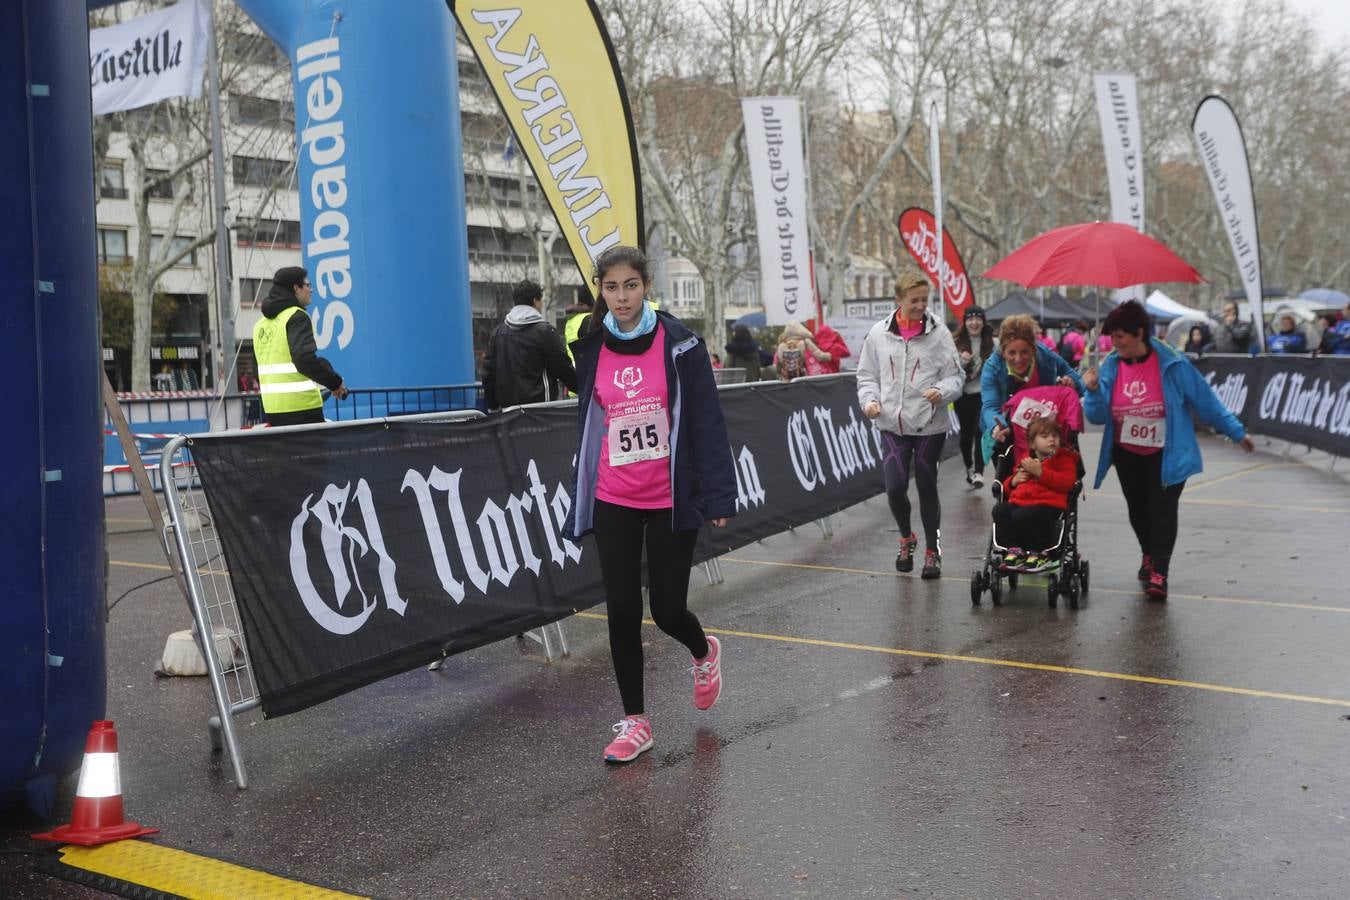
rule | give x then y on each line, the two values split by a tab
1058	474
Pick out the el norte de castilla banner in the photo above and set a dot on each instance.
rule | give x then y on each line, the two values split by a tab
149	58
556	76
360	551
1223	155
773	148
1118	115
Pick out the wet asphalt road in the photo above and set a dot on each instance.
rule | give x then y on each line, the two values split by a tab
836	763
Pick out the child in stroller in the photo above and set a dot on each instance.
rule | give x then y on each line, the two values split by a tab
1035	496
1036	518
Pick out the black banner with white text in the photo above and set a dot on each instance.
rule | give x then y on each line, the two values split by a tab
360	552
1301	399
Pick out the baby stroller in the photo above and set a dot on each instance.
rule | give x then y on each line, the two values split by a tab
1064	571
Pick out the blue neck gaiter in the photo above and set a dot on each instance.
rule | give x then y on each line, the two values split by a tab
644	326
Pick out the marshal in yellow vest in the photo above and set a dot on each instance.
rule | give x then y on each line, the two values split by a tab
283	388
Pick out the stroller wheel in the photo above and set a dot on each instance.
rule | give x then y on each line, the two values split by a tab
975	586
1083	575
1052	591
1071	591
996	589
1012	581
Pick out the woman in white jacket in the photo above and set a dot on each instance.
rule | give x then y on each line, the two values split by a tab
908	372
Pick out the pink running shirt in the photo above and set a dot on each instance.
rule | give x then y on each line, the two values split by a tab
635	445
1138	408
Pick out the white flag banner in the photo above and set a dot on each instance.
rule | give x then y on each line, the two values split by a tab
773	142
935	166
1223	153
1118	112
149	58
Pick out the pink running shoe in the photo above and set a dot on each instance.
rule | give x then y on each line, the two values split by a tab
708	676
634	739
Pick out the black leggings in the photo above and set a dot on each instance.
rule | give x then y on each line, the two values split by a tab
1153	508
620	533
916	455
1027	527
968	414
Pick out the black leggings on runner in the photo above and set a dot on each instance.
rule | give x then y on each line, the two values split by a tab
915	455
620	533
1153	508
968	414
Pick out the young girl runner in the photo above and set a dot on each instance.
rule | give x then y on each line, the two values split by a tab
1036	493
653	463
908	372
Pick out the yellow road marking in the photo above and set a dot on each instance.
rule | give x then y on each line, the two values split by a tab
1239	504
159	567
184	874
1013	664
1281	604
1238	474
1278	604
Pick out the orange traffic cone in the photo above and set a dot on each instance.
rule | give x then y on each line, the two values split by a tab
98	800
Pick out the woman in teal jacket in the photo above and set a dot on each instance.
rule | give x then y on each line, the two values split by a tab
1145	395
1018	350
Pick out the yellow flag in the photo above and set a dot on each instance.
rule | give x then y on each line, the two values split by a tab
554	72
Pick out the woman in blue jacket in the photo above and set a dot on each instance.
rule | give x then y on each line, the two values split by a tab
653	463
1023	362
1145	395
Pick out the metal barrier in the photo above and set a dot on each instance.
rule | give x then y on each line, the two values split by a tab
211	595
379	403
729	376
212	602
156	417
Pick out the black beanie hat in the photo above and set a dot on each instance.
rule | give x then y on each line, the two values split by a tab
972	311
290	277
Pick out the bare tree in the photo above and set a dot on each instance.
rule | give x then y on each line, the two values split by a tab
169	146
686	74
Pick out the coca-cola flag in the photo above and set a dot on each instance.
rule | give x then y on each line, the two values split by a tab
362	551
918	232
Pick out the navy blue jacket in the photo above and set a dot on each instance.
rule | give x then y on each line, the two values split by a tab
702	472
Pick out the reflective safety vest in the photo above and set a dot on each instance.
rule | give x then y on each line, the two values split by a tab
572	330
281	385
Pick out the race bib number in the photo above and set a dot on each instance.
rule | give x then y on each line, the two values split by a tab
1141	432
1029	410
638	437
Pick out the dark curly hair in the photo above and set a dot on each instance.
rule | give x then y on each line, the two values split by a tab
1130	317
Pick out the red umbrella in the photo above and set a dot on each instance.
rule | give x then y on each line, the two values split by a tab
1106	254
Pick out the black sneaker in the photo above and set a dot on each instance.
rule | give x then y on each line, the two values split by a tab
904	560
1157	586
932	564
1145	569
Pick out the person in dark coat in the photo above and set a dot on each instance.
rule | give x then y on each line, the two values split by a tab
525	358
743	353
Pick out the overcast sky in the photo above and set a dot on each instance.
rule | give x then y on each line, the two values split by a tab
1332	17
